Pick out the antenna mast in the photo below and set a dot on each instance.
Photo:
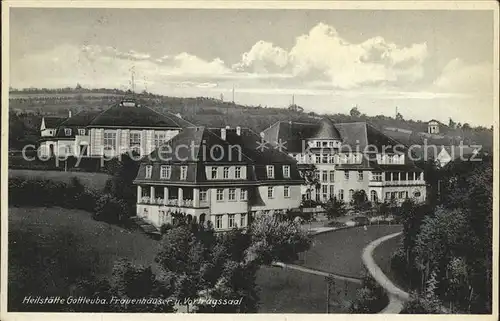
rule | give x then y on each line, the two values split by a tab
233	93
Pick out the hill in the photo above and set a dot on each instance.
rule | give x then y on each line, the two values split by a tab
28	106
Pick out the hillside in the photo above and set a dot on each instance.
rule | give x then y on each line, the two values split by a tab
28	106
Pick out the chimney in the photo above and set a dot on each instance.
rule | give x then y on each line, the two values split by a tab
223	133
69	114
238	130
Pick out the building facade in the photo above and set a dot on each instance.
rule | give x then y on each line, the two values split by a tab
347	157
216	175
122	127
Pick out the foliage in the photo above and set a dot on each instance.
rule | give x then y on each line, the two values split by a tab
360	200
24	191
276	240
451	245
109	209
370	298
335	208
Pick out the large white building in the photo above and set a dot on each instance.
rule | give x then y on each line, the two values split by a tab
124	126
349	157
224	178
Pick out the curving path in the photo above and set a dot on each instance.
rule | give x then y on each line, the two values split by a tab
397	297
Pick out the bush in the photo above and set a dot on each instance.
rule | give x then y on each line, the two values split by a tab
110	209
334	224
165	227
370	298
45	192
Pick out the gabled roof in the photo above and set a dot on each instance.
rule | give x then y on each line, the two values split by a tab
136	115
326	130
53	122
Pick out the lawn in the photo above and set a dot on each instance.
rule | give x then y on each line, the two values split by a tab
382	256
340	251
92	180
52	248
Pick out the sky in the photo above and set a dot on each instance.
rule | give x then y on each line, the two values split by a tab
428	64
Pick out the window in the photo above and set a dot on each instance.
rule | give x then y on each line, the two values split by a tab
388	177
237	172
81	132
218	221
331	159
149	171
67	131
214	173
324	159
332	176
406	194
203	195
324	191
389	159
351	194
332	190
401	194
184	172
346	174
395	176
393	195
230	220
165	171
416	194
316	174
402	176
360	175
160	138
286	191
243	219
220	194
318	144
270	171
243	194
270	192
135	139
387	195
232	194
225	173
317	158
286	171
376	176
324	177
110	139
341	194
411	177
373	196
324	144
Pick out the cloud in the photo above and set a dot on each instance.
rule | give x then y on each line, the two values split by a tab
460	77
322	54
320	59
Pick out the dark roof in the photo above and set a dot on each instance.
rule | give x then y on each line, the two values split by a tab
327	130
136	115
78	121
53	122
203	147
355	136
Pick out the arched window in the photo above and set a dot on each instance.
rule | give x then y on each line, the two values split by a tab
373	196
351	194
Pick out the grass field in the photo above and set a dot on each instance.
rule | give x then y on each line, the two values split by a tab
340	251
92	180
51	248
382	256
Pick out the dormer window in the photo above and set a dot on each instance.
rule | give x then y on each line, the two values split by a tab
213	173
81	132
286	171
237	172
225	172
183	172
270	171
149	171
165	171
67	131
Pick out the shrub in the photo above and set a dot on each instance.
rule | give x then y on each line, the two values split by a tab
370	298
109	209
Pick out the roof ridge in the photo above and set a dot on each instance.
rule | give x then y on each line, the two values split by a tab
220	138
175	121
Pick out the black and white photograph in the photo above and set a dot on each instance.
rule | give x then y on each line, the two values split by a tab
249	158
